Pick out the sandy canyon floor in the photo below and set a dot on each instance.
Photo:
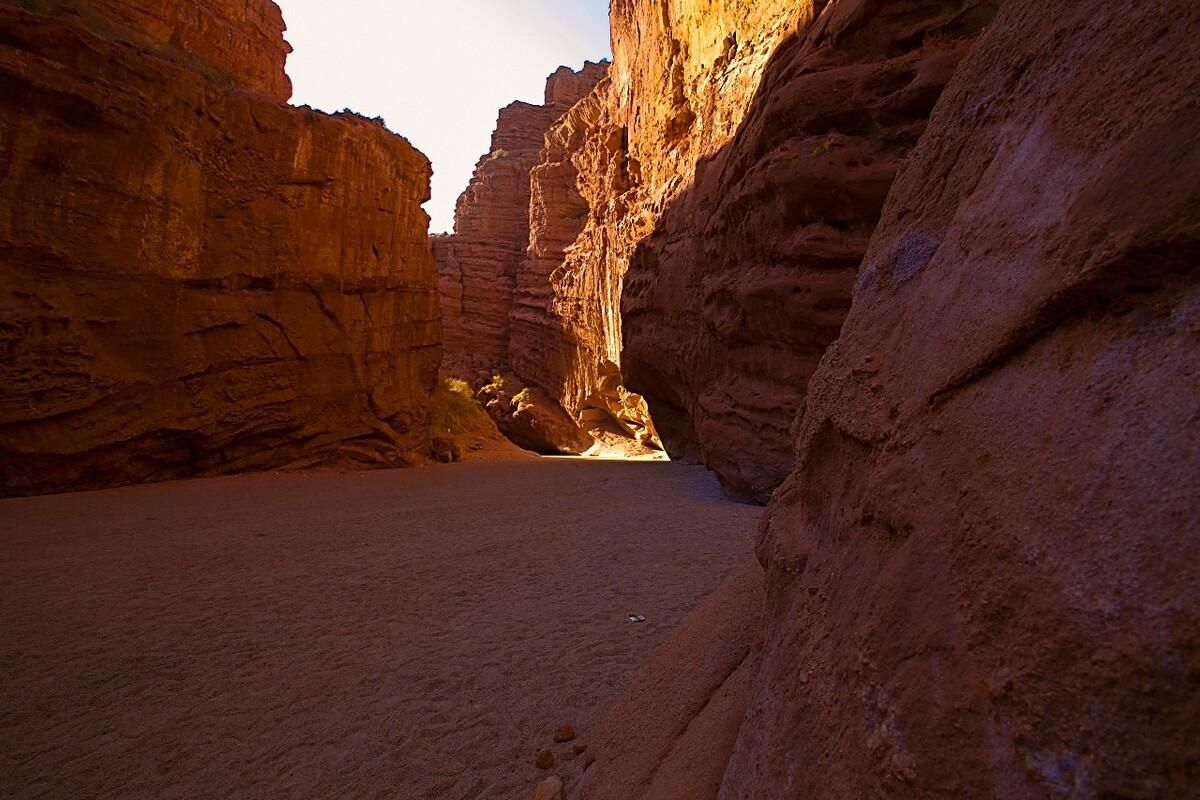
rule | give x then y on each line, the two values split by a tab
401	634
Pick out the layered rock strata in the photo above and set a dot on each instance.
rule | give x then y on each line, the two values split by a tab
680	82
746	279
478	265
982	574
195	278
233	41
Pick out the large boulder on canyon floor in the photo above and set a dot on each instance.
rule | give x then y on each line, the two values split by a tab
529	418
982	576
194	277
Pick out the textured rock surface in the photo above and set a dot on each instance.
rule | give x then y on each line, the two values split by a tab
748	274
478	265
672	731
550	789
196	279
235	41
982	575
681	79
530	419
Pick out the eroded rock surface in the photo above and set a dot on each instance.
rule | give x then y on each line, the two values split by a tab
982	573
747	277
681	79
671	733
195	278
233	41
532	420
478	265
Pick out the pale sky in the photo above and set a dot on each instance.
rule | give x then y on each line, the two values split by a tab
438	71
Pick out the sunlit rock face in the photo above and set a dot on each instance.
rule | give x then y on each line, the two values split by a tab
681	79
195	278
746	279
982	573
697	222
239	41
478	265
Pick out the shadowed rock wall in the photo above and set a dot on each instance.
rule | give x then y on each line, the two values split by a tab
746	279
982	574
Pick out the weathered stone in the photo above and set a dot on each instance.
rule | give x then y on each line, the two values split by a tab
530	419
478	264
544	759
194	277
672	732
550	789
746	279
445	450
235	42
564	733
982	573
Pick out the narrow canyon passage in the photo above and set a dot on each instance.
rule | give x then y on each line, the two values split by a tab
401	634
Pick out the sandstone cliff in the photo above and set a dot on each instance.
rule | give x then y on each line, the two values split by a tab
734	164
746	279
195	278
680	81
234	41
982	574
478	265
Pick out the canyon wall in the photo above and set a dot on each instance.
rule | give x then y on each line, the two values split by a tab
982	574
747	276
697	222
233	41
681	79
478	265
194	277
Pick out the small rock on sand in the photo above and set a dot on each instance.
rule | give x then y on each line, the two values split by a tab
564	733
544	758
580	747
550	789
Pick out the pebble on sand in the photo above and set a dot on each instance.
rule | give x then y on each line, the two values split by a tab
564	733
550	789
544	758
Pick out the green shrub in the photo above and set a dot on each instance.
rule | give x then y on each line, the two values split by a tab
454	410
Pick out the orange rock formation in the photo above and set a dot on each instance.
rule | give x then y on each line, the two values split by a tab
981	573
679	83
478	265
747	277
195	278
655	257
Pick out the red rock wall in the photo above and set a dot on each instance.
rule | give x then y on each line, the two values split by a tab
559	334
747	277
478	265
196	280
239	41
982	574
680	81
